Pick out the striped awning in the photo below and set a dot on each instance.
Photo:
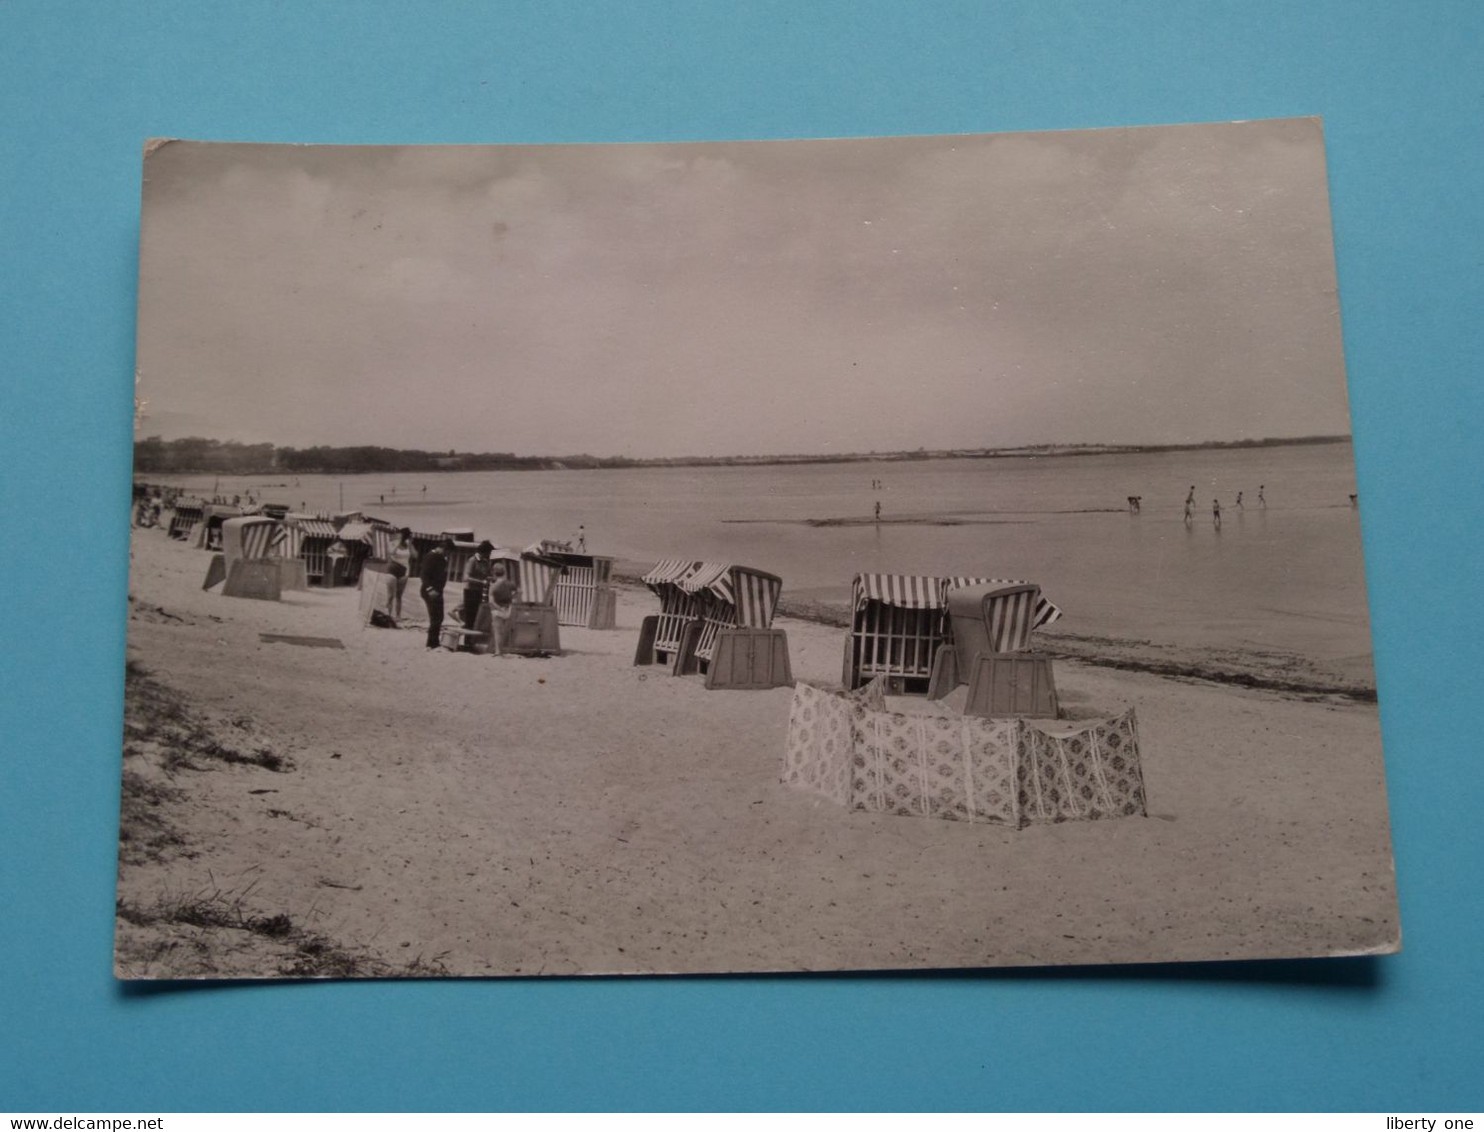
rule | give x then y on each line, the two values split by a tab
382	539
248	537
537	579
356	531
715	577
287	540
669	571
906	591
1046	613
314	528
756	599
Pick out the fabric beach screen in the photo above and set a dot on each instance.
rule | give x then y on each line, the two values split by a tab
1089	774
817	754
939	766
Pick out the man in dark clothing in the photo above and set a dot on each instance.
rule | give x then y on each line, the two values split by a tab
433	575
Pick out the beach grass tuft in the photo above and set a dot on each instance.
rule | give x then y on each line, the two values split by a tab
155	714
222	922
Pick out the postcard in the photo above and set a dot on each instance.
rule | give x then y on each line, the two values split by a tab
821	555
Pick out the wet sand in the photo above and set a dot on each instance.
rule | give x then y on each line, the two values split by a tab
448	813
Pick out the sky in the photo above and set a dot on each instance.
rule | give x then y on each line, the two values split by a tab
1167	284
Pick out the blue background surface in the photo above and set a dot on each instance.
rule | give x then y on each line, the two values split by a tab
1402	93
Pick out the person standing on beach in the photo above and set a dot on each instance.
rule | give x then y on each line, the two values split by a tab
433	576
1190	506
477	576
502	593
1239	502
1261	502
1216	513
399	566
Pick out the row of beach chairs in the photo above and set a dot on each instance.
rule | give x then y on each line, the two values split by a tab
918	633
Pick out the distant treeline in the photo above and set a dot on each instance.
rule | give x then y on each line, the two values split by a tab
194	455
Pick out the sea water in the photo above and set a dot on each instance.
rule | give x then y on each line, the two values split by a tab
1285	577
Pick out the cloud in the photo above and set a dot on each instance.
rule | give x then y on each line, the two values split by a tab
1146	284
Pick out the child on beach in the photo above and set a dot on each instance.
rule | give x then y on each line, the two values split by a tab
1216	512
501	605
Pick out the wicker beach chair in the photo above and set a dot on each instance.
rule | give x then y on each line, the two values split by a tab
989	649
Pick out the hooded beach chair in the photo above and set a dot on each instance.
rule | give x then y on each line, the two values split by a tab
895	630
358	539
538	574
314	537
185	515
584	593
258	559
987	645
732	639
660	633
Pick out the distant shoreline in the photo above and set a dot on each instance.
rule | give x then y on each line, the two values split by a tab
152	456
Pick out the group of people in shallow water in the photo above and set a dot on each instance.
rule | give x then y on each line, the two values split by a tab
1262	501
488	590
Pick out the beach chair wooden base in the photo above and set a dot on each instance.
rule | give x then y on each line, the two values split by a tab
687	663
750	659
1017	685
945	673
532	629
216	572
292	574
455	638
605	610
253	577
644	654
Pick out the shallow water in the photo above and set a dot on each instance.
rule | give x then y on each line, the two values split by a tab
1287	577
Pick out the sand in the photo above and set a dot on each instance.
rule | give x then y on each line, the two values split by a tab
469	815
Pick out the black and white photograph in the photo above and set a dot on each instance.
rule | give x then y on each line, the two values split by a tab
823	555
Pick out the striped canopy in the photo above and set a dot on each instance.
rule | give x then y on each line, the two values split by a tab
250	537
1046	613
756	598
906	591
715	577
356	531
313	528
538	578
668	572
382	539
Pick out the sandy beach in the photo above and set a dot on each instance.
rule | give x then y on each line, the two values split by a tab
381	809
